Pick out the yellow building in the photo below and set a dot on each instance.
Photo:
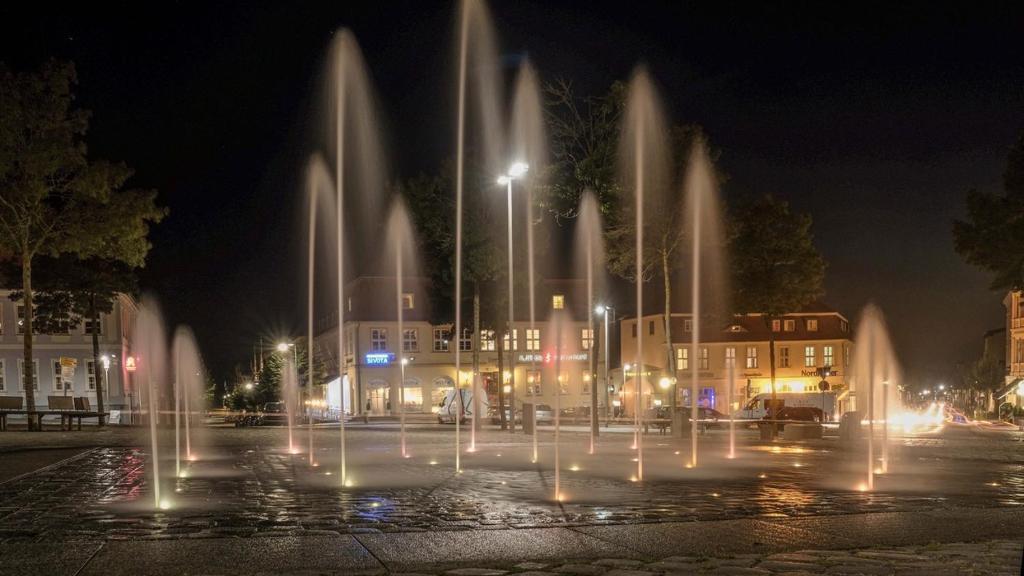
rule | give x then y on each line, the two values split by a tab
808	344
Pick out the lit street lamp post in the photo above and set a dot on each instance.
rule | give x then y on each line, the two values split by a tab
606	311
517	170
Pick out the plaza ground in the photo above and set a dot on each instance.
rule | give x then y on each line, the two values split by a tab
82	503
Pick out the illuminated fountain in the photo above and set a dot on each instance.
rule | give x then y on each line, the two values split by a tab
644	166
150	348
590	250
874	378
400	243
189	394
479	71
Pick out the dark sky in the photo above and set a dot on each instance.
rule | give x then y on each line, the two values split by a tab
874	118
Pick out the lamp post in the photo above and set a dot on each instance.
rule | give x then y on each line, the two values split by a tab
606	311
516	171
105	360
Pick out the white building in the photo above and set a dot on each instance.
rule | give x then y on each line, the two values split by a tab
47	350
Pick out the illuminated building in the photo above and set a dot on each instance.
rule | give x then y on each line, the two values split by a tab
807	345
373	348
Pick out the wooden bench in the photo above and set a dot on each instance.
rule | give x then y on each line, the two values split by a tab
9	405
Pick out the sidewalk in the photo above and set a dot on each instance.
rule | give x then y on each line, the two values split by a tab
915	543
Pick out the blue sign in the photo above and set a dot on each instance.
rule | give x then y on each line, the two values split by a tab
379	358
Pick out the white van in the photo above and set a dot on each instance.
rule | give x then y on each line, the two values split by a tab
757	407
450	406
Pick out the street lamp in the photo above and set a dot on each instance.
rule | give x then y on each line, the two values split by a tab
516	171
607	311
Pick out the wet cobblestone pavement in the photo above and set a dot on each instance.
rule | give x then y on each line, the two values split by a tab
245	486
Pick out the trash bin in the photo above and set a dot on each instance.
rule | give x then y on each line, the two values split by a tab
850	427
528	418
767	430
681	424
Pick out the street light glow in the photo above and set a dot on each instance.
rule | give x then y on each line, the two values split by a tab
503	180
599	310
282	346
518	169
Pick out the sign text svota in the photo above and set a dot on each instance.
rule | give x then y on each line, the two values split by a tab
379	358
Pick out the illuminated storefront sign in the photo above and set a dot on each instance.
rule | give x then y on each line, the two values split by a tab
379	358
548	357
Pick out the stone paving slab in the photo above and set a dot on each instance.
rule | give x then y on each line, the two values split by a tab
49	558
902	528
415	550
707	538
337	554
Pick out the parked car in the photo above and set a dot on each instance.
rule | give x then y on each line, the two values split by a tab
274	414
800	413
544	413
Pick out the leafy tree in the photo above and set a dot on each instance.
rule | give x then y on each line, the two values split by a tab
269	380
70	290
776	269
53	199
585	135
992	235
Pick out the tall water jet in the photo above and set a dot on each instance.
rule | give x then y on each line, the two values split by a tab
319	188
589	250
732	418
401	246
643	169
474	28
557	322
189	382
529	147
289	392
707	271
874	369
150	349
359	173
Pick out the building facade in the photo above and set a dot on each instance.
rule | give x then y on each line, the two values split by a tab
1014	391
48	349
374	349
809	346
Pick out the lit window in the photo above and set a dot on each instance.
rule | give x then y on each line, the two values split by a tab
466	341
682	358
586	383
533	339
533	382
788	325
751	356
411	340
563	383
809	360
487	340
378	339
440	340
3	378
704	358
558	301
730	356
586	338
784	357
687	325
776	325
827	356
407	301
812	324
515	340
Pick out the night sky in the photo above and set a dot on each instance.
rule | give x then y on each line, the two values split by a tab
875	119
